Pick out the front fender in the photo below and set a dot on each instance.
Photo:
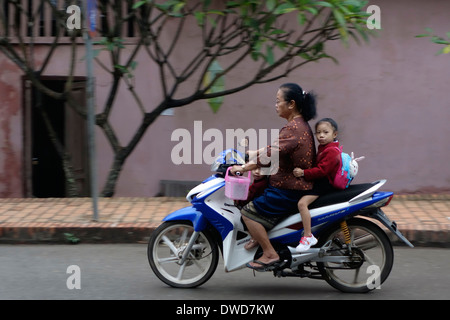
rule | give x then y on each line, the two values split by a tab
189	213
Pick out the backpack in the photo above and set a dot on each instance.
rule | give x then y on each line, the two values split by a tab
348	168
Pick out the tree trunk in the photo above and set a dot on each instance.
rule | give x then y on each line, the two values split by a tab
122	154
71	187
110	184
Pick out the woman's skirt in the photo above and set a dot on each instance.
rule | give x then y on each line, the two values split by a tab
273	206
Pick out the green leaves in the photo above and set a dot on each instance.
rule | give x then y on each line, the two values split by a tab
271	32
437	40
71	238
171	7
216	82
114	45
110	44
284	8
349	15
139	4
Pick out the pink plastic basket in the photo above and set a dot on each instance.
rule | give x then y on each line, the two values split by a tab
236	187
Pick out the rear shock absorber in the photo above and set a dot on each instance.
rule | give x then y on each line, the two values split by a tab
346	232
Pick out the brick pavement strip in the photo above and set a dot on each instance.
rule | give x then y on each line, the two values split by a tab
423	219
49	220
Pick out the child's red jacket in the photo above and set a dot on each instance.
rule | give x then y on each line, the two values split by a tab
327	163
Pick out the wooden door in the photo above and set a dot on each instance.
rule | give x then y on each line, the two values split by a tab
43	169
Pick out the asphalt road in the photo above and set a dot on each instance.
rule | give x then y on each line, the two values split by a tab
121	272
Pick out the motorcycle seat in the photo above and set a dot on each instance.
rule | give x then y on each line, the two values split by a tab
341	195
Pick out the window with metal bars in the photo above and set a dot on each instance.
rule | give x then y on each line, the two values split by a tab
43	20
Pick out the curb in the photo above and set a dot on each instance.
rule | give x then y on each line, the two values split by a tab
113	233
423	238
98	233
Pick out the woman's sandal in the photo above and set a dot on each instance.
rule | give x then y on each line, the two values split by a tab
261	266
251	244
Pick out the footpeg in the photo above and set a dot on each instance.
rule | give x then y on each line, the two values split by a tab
278	266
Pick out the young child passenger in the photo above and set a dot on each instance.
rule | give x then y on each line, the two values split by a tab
322	174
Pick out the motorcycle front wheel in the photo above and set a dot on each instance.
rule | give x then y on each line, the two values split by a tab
166	247
371	252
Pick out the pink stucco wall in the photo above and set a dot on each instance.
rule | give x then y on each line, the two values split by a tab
390	98
10	131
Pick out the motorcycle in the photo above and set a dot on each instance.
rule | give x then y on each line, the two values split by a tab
353	254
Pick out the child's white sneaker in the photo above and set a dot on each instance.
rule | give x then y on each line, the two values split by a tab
306	243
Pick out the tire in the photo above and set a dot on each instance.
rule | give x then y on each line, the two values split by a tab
166	247
369	242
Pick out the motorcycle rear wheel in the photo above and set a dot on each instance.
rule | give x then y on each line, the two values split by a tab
368	242
166	247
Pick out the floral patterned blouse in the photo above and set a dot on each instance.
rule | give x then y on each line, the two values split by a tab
295	148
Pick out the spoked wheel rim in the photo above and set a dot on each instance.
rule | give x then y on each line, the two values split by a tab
165	251
372	258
